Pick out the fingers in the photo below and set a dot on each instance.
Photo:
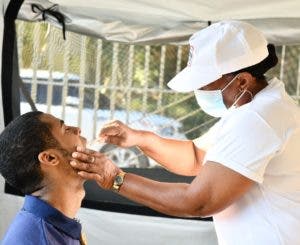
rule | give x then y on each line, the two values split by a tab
103	174
115	140
83	157
90	176
82	166
94	166
86	152
102	182
111	129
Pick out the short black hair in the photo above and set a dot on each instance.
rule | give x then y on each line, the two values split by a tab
258	70
20	144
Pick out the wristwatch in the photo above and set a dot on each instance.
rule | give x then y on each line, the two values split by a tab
118	181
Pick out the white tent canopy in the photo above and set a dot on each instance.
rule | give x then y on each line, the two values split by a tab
156	21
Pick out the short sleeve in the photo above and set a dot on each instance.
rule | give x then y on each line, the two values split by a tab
204	142
245	143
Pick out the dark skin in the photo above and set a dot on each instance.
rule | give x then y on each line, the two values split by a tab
243	81
215	186
62	187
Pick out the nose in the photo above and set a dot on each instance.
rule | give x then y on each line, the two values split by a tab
77	130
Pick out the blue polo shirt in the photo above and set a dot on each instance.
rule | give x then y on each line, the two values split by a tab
38	223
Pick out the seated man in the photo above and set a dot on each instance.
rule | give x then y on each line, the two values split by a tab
35	150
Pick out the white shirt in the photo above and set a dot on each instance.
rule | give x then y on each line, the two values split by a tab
260	140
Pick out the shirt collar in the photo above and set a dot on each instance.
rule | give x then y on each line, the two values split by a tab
51	215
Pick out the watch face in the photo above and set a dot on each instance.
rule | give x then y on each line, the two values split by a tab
119	180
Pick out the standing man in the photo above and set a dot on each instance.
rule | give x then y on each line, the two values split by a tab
35	150
246	166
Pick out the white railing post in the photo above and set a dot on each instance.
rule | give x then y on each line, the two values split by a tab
179	59
51	50
146	78
20	40
282	61
97	85
66	44
161	78
82	77
178	64
114	73
35	59
129	82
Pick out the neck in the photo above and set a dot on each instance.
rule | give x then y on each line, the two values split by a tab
260	85
66	198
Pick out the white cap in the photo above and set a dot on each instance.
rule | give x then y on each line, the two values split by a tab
219	49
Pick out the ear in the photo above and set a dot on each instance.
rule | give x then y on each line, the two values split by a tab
48	157
245	80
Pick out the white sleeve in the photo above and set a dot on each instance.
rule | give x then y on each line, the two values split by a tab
245	143
204	141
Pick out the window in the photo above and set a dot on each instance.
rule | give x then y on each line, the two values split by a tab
87	82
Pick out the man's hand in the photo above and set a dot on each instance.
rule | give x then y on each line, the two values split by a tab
94	166
117	133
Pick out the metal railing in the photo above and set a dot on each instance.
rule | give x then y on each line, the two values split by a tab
132	77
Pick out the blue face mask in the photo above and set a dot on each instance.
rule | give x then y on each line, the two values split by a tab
211	101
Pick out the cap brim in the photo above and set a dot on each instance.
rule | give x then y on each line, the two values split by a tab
190	79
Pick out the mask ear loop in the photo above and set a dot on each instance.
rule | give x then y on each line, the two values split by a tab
229	83
250	93
240	96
